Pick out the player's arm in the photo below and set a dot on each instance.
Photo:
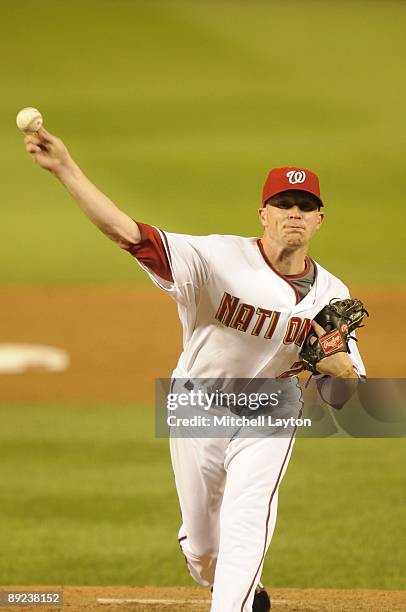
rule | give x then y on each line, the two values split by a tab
50	153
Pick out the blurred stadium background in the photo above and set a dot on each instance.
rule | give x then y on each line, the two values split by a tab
177	110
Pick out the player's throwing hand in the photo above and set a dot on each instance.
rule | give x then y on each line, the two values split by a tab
48	151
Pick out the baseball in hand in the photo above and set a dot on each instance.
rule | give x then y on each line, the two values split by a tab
29	120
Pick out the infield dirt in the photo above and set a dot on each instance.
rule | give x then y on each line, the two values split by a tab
121	338
183	599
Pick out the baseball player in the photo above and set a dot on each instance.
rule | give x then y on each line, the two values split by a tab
246	306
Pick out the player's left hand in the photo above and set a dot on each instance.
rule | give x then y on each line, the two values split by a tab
338	365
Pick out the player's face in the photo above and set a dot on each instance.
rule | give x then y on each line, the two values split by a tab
291	219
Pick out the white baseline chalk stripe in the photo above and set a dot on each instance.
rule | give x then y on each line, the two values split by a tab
164	602
169	602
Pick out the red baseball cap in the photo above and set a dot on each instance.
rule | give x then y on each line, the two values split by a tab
290	177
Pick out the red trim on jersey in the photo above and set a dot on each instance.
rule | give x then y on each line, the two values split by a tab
151	251
285	278
168	250
268	517
315	270
305	271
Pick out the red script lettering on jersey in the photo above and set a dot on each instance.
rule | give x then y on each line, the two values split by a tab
239	315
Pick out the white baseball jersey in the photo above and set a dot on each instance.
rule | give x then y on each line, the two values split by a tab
241	318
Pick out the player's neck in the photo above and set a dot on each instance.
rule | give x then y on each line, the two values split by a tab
286	260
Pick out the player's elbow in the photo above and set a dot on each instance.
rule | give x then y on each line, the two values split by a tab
126	237
336	392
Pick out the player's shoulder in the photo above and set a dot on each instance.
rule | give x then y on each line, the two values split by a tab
232	246
332	281
231	239
215	240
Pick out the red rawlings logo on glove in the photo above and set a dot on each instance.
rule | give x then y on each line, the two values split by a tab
332	342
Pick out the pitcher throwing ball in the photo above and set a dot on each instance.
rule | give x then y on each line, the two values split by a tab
247	308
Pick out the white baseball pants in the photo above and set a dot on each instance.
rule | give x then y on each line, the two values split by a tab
228	493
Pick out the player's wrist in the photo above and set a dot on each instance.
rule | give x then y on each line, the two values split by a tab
347	374
337	366
67	171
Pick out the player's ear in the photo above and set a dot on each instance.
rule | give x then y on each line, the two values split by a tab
320	220
262	215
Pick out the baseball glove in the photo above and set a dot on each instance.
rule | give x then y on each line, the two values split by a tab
339	318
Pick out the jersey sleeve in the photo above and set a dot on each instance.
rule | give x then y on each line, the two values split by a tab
176	263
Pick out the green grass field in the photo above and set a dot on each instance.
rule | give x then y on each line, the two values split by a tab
178	109
88	498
